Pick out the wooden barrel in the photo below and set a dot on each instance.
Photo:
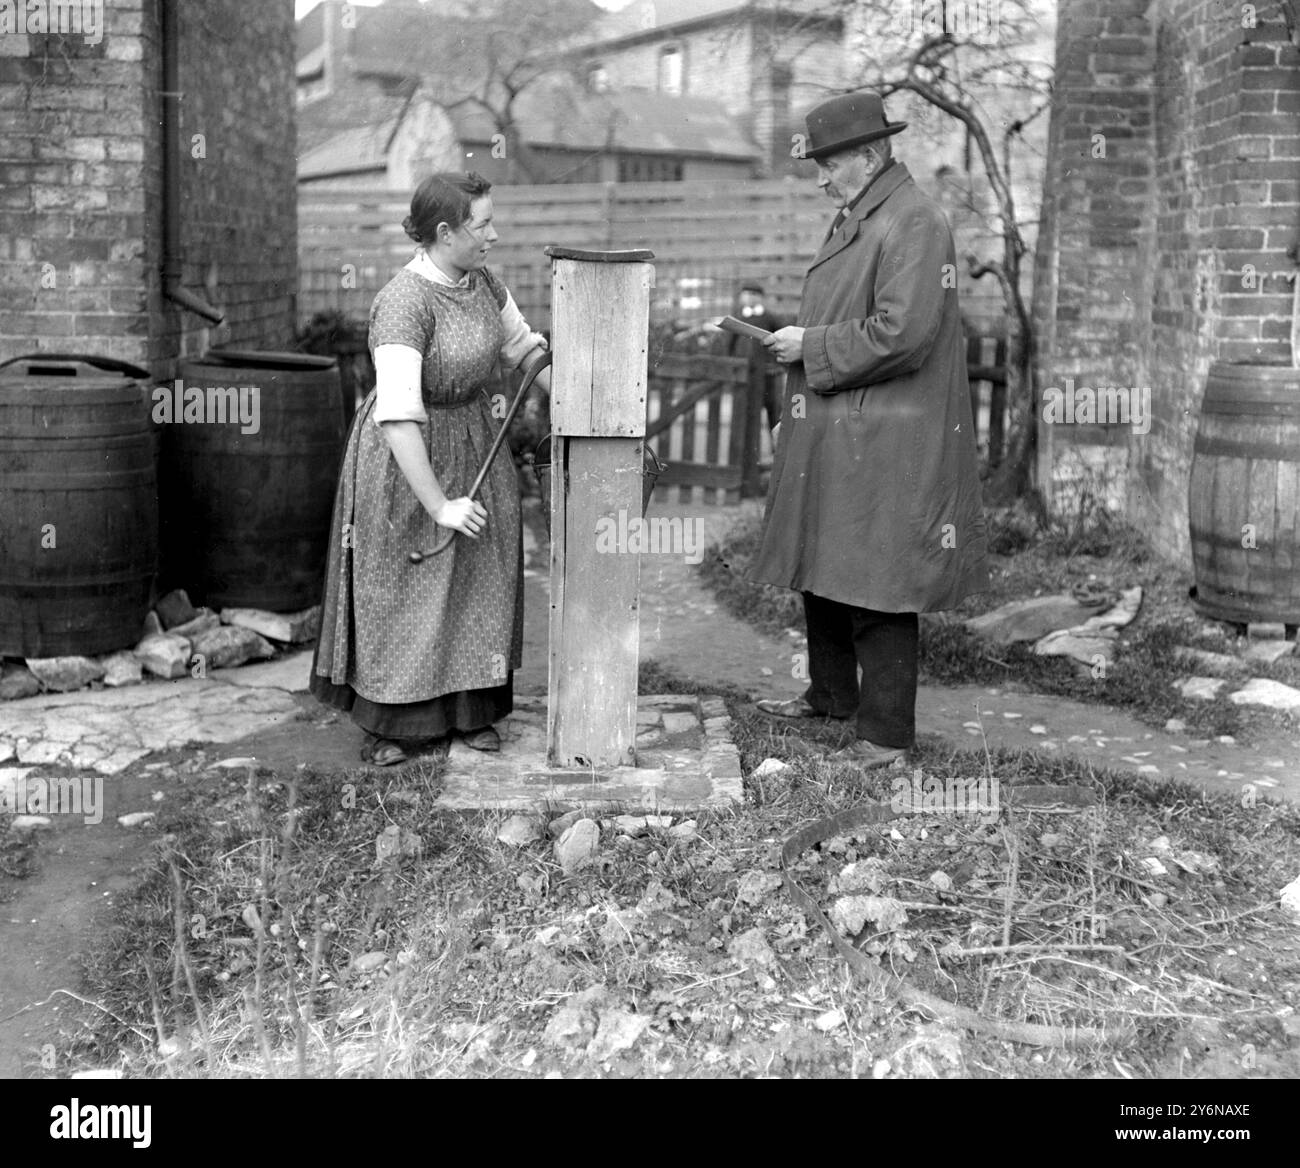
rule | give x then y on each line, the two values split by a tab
251	444
1244	495
78	511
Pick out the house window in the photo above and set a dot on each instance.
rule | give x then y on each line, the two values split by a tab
648	168
597	79
672	69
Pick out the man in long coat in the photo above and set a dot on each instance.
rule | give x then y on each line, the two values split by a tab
874	512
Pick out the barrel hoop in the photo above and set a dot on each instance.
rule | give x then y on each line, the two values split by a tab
101	581
77	480
1242	407
54	432
1234	448
1233	543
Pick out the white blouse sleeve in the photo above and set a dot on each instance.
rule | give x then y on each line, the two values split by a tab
397	379
519	340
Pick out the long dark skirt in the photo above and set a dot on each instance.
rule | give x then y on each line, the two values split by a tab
463	712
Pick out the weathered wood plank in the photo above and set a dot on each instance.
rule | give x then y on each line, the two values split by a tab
599	324
595	626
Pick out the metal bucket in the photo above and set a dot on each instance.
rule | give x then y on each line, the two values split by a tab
540	460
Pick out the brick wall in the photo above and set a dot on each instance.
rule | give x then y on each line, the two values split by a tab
1147	254
72	203
81	164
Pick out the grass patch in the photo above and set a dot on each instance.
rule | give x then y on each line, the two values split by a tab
1071	552
344	926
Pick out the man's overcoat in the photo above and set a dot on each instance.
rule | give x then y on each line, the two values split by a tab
875	493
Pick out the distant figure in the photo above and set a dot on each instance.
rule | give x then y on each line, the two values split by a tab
752	307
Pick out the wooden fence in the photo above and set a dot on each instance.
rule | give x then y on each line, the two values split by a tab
706	237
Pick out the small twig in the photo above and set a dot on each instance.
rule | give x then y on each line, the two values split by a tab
79	998
1002	950
1013	871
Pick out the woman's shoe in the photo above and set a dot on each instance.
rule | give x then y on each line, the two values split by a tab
383	752
485	739
790	708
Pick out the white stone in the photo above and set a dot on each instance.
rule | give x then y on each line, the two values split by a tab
1260	691
135	818
519	831
1291	898
288	627
122	669
229	645
291	673
1267	652
679	722
830	1020
164	655
1200	688
17	681
769	768
578	846
64	674
175	608
206	619
1175	726
30	822
1037	728
1082	648
242	761
1202	660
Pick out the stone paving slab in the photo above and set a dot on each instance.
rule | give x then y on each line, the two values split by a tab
107	730
686	761
291	673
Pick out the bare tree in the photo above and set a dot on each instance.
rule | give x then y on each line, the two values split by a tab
487	53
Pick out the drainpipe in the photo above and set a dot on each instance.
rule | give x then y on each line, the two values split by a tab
173	264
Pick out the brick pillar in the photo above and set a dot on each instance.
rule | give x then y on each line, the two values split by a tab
1171	251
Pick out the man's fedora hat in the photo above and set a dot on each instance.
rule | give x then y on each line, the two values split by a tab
846	121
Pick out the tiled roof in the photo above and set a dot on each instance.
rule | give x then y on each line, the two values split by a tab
365	148
625	120
357	105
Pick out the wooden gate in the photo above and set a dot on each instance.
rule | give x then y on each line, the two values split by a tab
706	422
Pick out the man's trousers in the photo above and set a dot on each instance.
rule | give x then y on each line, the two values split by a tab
842	638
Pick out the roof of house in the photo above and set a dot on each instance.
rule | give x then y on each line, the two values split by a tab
652	18
335	137
627	120
354	105
356	151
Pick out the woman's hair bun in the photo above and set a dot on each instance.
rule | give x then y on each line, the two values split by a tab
408	225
